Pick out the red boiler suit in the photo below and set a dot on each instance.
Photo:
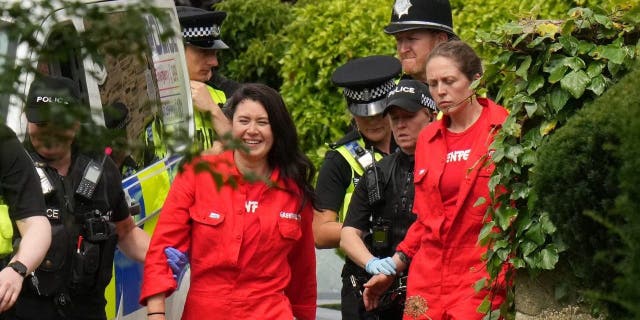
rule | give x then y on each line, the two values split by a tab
443	242
251	248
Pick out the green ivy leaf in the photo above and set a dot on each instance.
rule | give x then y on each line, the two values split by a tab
527	247
547	30
494	181
595	68
522	71
558	73
528	158
480	284
548	126
547	225
570	44
501	244
575	82
485	306
613	53
585	47
536	82
512	28
483	237
504	216
517	263
498	154
558	98
520	191
513	152
603	20
535	234
548	259
480	201
503	254
536	42
598	84
521	225
575	63
531	109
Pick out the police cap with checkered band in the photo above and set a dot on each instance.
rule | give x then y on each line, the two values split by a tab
421	14
366	82
201	28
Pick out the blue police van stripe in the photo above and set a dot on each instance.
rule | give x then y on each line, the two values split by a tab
128	273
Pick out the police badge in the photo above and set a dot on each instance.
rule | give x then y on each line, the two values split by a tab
401	7
215	30
366	94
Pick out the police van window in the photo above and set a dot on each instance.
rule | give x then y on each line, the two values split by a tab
148	86
61	56
126	82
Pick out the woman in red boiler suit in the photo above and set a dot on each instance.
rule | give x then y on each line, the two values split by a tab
250	242
452	170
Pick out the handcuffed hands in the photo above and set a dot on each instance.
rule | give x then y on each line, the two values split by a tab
177	261
374	289
376	265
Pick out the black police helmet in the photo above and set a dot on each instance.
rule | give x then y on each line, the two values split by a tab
421	14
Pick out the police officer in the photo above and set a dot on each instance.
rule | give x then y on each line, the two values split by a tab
418	26
86	208
201	38
375	225
20	201
366	82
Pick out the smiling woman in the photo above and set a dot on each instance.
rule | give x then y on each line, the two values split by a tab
250	241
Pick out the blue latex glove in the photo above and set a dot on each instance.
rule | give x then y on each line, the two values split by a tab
177	261
376	265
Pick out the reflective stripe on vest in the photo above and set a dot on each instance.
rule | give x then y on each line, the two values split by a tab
356	172
204	133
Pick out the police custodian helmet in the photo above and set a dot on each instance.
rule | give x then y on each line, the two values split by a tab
366	82
201	28
421	14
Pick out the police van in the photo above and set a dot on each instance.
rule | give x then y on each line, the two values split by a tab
149	86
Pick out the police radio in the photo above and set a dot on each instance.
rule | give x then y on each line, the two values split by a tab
91	176
372	177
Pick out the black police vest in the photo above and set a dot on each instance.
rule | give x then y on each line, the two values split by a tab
394	213
80	258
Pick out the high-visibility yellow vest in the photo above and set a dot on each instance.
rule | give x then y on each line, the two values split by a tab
356	172
6	230
204	132
205	135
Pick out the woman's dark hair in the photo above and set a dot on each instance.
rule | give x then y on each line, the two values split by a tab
465	58
285	152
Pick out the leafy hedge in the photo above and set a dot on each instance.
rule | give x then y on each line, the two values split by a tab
576	178
252	30
298	47
552	69
471	16
627	291
325	35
